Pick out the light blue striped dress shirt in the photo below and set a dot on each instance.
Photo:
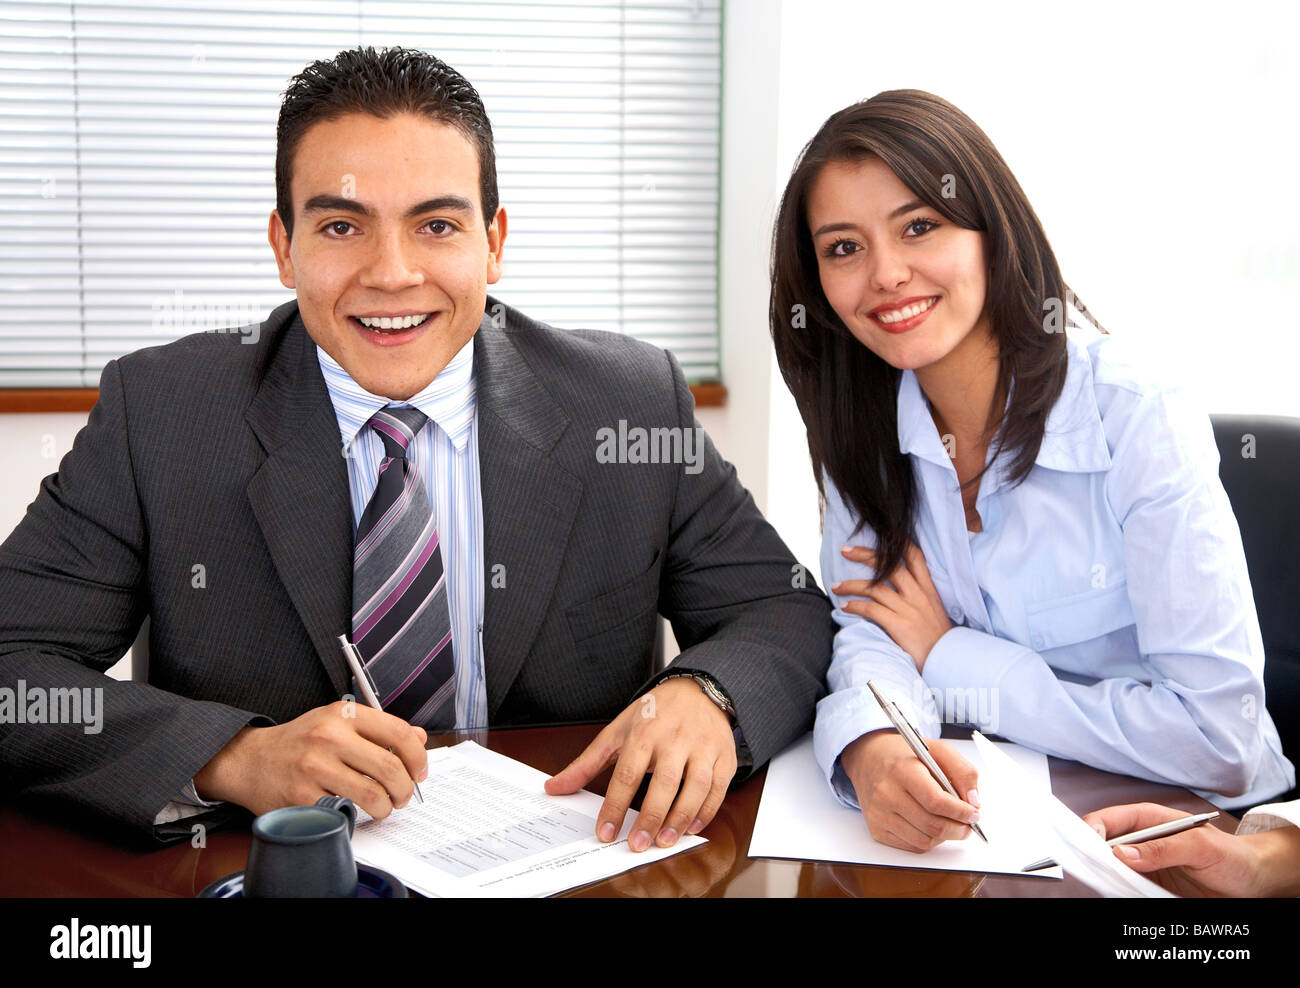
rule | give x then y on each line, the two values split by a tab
1103	614
445	453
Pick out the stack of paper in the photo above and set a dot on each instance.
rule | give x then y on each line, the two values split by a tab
1078	847
487	828
798	817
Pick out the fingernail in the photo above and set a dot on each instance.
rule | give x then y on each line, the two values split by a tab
423	774
835	587
1101	831
606	833
846	549
695	827
640	840
667	837
1129	851
973	797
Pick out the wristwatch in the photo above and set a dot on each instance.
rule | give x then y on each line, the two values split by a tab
711	689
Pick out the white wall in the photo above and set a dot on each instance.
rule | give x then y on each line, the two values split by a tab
750	176
31	447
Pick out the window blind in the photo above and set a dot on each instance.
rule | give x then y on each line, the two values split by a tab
137	166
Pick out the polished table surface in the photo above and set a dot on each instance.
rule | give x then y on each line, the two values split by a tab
39	857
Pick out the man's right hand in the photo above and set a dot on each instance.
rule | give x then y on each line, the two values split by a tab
338	750
903	804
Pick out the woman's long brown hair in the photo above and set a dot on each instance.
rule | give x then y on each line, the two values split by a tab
845	393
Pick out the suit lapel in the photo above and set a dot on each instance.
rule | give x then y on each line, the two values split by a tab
300	494
529	504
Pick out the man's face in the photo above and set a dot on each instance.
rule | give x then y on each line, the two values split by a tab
388	226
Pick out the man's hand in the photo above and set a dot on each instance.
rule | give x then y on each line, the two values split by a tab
685	739
339	750
904	806
910	610
1204	861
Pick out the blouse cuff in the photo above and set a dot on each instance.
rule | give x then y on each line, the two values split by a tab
965	658
845	716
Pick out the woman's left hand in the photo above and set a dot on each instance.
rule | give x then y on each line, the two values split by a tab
910	610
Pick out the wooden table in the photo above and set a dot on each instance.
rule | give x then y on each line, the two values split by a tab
43	857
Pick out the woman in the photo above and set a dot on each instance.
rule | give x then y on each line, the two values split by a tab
1034	535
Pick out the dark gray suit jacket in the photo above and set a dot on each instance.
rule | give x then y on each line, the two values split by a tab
223	454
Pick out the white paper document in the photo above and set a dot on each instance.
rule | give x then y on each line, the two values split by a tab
487	828
798	817
1077	846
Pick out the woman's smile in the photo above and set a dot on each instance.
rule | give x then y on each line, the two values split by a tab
899	317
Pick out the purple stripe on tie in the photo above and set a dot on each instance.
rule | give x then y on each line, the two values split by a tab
395	433
418	669
435	702
385	522
387	603
363	611
437	593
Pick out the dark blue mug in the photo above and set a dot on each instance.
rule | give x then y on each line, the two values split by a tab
303	852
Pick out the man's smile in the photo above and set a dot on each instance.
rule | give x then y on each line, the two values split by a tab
392	331
393	321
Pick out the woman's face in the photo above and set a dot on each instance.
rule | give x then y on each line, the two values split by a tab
908	283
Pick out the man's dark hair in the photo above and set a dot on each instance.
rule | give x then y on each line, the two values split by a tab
382	83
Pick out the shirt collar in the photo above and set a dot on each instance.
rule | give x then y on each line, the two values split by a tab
916	430
1073	441
449	400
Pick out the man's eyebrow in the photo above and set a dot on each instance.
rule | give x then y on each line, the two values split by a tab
342	204
902	210
440	203
336	204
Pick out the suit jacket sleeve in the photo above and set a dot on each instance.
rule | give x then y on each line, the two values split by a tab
742	608
73	594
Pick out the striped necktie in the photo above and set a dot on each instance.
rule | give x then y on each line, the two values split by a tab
400	620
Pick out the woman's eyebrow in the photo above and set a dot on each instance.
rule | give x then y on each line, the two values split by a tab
902	210
907	207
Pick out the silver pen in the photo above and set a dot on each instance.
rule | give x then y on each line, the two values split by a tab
1138	836
917	744
366	685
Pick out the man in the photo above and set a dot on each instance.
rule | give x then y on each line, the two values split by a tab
402	459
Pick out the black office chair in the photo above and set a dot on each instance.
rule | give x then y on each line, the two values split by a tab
1260	470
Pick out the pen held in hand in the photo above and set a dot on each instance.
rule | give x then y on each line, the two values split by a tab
1138	836
366	686
917	744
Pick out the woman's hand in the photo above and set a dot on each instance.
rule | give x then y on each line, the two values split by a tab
904	806
909	610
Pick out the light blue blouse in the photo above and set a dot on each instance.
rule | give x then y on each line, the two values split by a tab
1104	614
